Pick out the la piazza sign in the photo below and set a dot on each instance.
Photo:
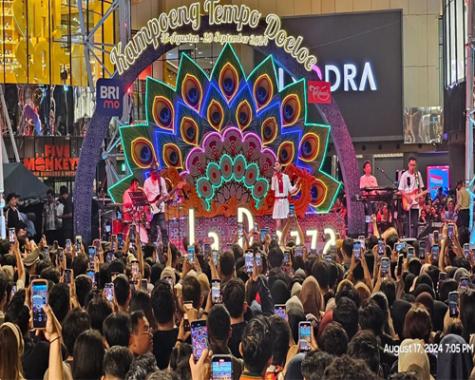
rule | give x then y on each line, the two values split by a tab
160	30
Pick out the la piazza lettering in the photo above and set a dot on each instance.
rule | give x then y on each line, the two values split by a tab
240	15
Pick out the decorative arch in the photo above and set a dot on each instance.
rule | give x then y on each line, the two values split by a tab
91	148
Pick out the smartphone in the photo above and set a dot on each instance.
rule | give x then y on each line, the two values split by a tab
410	252
144	284
286	259
199	338
357	249
91	251
109	291
298	251
68	244
399	246
453	303
305	334
108	228
110	256
385	265
466	250
400	259
215	257
11	235
291	210
435	237
249	261
450	231
78	242
435	252
91	274
67	276
381	247
279	310
258	259
120	240
39	298
13	291
206	249
216	291
135	269
422	251
464	282
256	227
328	258
191	254
132	233
221	367
262	235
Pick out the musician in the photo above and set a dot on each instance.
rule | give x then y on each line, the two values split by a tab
367	180
127	203
155	189
282	187
410	184
463	205
128	216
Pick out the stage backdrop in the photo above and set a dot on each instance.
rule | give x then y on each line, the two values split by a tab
361	55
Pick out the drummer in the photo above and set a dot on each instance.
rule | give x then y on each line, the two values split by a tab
131	216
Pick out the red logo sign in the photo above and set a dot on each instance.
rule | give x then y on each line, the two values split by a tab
319	92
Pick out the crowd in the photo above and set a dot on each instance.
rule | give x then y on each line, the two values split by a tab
373	308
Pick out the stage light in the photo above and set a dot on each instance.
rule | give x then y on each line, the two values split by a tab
191	225
241	212
215	244
313	234
329	243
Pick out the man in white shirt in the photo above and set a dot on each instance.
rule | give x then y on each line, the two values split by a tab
155	189
368	181
410	184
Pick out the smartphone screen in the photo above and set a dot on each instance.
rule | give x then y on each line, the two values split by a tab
466	250
280	311
435	236
68	244
385	265
191	254
410	252
357	249
291	210
381	247
328	258
298	251
199	338
135	269
258	259
215	257
91	275
11	235
67	276
144	284
450	231
216	291
91	251
221	367
435	252
248	262
39	298
422	252
110	256
305	331
453	303
120	240
262	235
286	257
400	259
399	246
132	232
109	291
108	228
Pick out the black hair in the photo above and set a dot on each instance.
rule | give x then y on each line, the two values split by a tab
88	346
411	158
388	287
275	258
3	286
346	313
191	291
467	312
314	364
63	190
371	317
83	287
333	339
17	312
219	323
80	264
117	328
121	289
155	272
227	263
280	334
163	302
75	322
367	162
135	318
320	270
234	296
141	301
364	346
98	309
59	300
256	345
117	361
50	274
345	367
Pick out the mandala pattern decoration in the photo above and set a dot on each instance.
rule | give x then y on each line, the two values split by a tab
222	134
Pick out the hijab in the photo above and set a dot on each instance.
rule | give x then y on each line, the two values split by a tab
311	297
452	365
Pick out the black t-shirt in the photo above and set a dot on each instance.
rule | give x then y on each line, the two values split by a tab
68	209
163	343
236	337
35	357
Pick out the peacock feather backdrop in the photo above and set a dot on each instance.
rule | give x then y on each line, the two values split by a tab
222	133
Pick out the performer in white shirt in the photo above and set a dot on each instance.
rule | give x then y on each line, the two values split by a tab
282	187
367	180
155	189
410	185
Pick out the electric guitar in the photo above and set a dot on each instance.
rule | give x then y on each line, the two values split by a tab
155	204
409	197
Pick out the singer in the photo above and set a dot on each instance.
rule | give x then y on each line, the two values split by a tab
410	185
282	187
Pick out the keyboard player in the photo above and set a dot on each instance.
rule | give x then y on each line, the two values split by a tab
368	181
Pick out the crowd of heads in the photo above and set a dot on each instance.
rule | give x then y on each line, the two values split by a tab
381	308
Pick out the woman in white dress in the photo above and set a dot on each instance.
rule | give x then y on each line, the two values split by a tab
282	187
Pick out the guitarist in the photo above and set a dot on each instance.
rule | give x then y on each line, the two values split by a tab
410	184
155	189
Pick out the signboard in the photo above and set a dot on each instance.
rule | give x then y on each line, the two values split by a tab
54	161
319	92
109	96
437	176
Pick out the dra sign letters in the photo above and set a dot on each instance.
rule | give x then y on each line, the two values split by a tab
109	95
